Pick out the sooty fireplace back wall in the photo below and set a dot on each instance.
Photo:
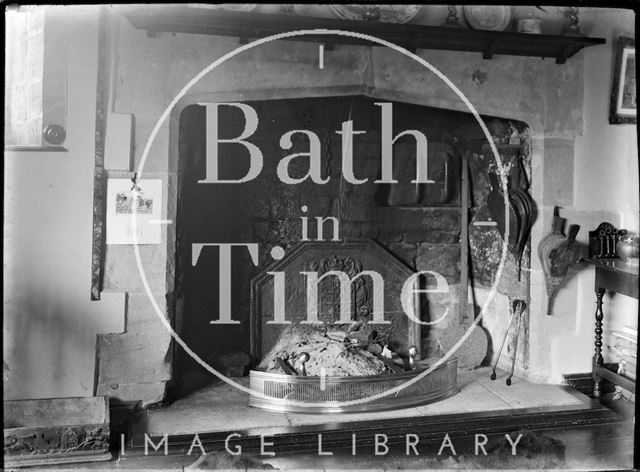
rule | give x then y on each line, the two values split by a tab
422	232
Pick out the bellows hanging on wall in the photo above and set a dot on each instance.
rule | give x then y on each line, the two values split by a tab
521	213
558	254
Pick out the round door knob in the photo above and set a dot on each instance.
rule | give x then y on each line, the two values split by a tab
54	134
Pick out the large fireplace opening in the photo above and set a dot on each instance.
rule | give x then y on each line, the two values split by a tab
419	226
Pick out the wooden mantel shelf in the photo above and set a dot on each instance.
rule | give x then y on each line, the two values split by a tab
247	26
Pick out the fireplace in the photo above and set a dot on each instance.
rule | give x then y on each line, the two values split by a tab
286	73
410	228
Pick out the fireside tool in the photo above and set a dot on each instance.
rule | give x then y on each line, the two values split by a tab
412	357
557	255
474	349
285	367
520	215
301	369
518	308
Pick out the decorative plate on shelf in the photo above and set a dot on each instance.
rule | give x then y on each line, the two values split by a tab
381	13
488	17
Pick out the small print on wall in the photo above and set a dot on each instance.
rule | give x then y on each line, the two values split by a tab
125	198
623	92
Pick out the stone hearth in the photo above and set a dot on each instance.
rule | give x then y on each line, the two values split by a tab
477	394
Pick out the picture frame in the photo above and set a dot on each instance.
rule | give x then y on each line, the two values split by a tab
622	108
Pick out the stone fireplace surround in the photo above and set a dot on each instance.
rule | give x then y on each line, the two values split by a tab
148	72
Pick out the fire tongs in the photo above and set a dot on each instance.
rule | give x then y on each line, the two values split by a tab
518	308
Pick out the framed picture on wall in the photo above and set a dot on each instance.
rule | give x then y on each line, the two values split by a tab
623	90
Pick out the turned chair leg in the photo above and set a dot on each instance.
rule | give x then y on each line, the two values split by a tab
597	357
